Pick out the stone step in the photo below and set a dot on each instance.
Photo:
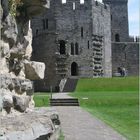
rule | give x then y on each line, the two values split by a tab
64	102
70	85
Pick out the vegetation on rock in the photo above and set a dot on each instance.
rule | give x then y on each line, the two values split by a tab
14	5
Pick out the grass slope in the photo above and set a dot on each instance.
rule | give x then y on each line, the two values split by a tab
113	100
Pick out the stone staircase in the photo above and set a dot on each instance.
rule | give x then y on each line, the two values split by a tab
64	102
70	85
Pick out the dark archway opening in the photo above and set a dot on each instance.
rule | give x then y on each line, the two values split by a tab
117	38
74	69
62	47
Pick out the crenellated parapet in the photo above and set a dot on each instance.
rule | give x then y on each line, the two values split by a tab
115	1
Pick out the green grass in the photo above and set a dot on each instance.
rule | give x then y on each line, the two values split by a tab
41	99
61	136
113	100
108	84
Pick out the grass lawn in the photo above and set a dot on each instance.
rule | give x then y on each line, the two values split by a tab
113	100
41	99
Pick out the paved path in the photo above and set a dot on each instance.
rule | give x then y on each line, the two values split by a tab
78	124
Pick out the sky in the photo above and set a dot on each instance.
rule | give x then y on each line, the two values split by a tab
133	16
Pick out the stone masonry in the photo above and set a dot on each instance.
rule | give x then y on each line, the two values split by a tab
125	49
73	40
79	40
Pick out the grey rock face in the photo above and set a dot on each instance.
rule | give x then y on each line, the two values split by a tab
1	103
31	125
21	103
7	103
16	38
34	70
35	7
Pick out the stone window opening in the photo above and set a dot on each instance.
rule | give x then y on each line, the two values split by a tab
72	49
82	1
76	48
105	6
117	38
82	32
96	2
73	5
36	31
62	44
88	44
74	69
45	23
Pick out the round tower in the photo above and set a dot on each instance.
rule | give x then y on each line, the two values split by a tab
119	19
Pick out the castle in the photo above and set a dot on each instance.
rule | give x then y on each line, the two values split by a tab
83	39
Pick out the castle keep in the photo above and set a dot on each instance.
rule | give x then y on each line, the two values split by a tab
74	39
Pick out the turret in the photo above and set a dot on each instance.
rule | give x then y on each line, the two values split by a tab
119	19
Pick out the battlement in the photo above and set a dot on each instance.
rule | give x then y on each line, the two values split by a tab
101	5
134	39
78	4
115	1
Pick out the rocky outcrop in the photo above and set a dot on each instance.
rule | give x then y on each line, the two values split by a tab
16	69
34	70
38	124
19	120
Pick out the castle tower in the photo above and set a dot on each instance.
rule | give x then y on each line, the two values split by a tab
119	20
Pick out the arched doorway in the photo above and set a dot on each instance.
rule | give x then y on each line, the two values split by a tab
74	69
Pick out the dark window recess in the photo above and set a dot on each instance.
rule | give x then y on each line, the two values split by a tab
96	2
111	17
105	6
88	44
36	31
45	23
117	38
74	69
72	49
62	47
76	48
82	32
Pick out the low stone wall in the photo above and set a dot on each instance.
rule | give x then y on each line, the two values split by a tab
126	54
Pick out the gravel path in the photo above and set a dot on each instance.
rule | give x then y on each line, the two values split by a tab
78	124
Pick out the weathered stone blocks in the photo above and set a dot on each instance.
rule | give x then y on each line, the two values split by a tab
32	125
34	70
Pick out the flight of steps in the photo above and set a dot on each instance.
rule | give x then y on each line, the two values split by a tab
64	102
70	85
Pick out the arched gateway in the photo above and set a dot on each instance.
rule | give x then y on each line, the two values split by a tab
74	69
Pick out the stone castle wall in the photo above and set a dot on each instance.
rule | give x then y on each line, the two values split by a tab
119	19
126	55
64	23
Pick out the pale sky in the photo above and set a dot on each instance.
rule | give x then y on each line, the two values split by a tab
133	13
